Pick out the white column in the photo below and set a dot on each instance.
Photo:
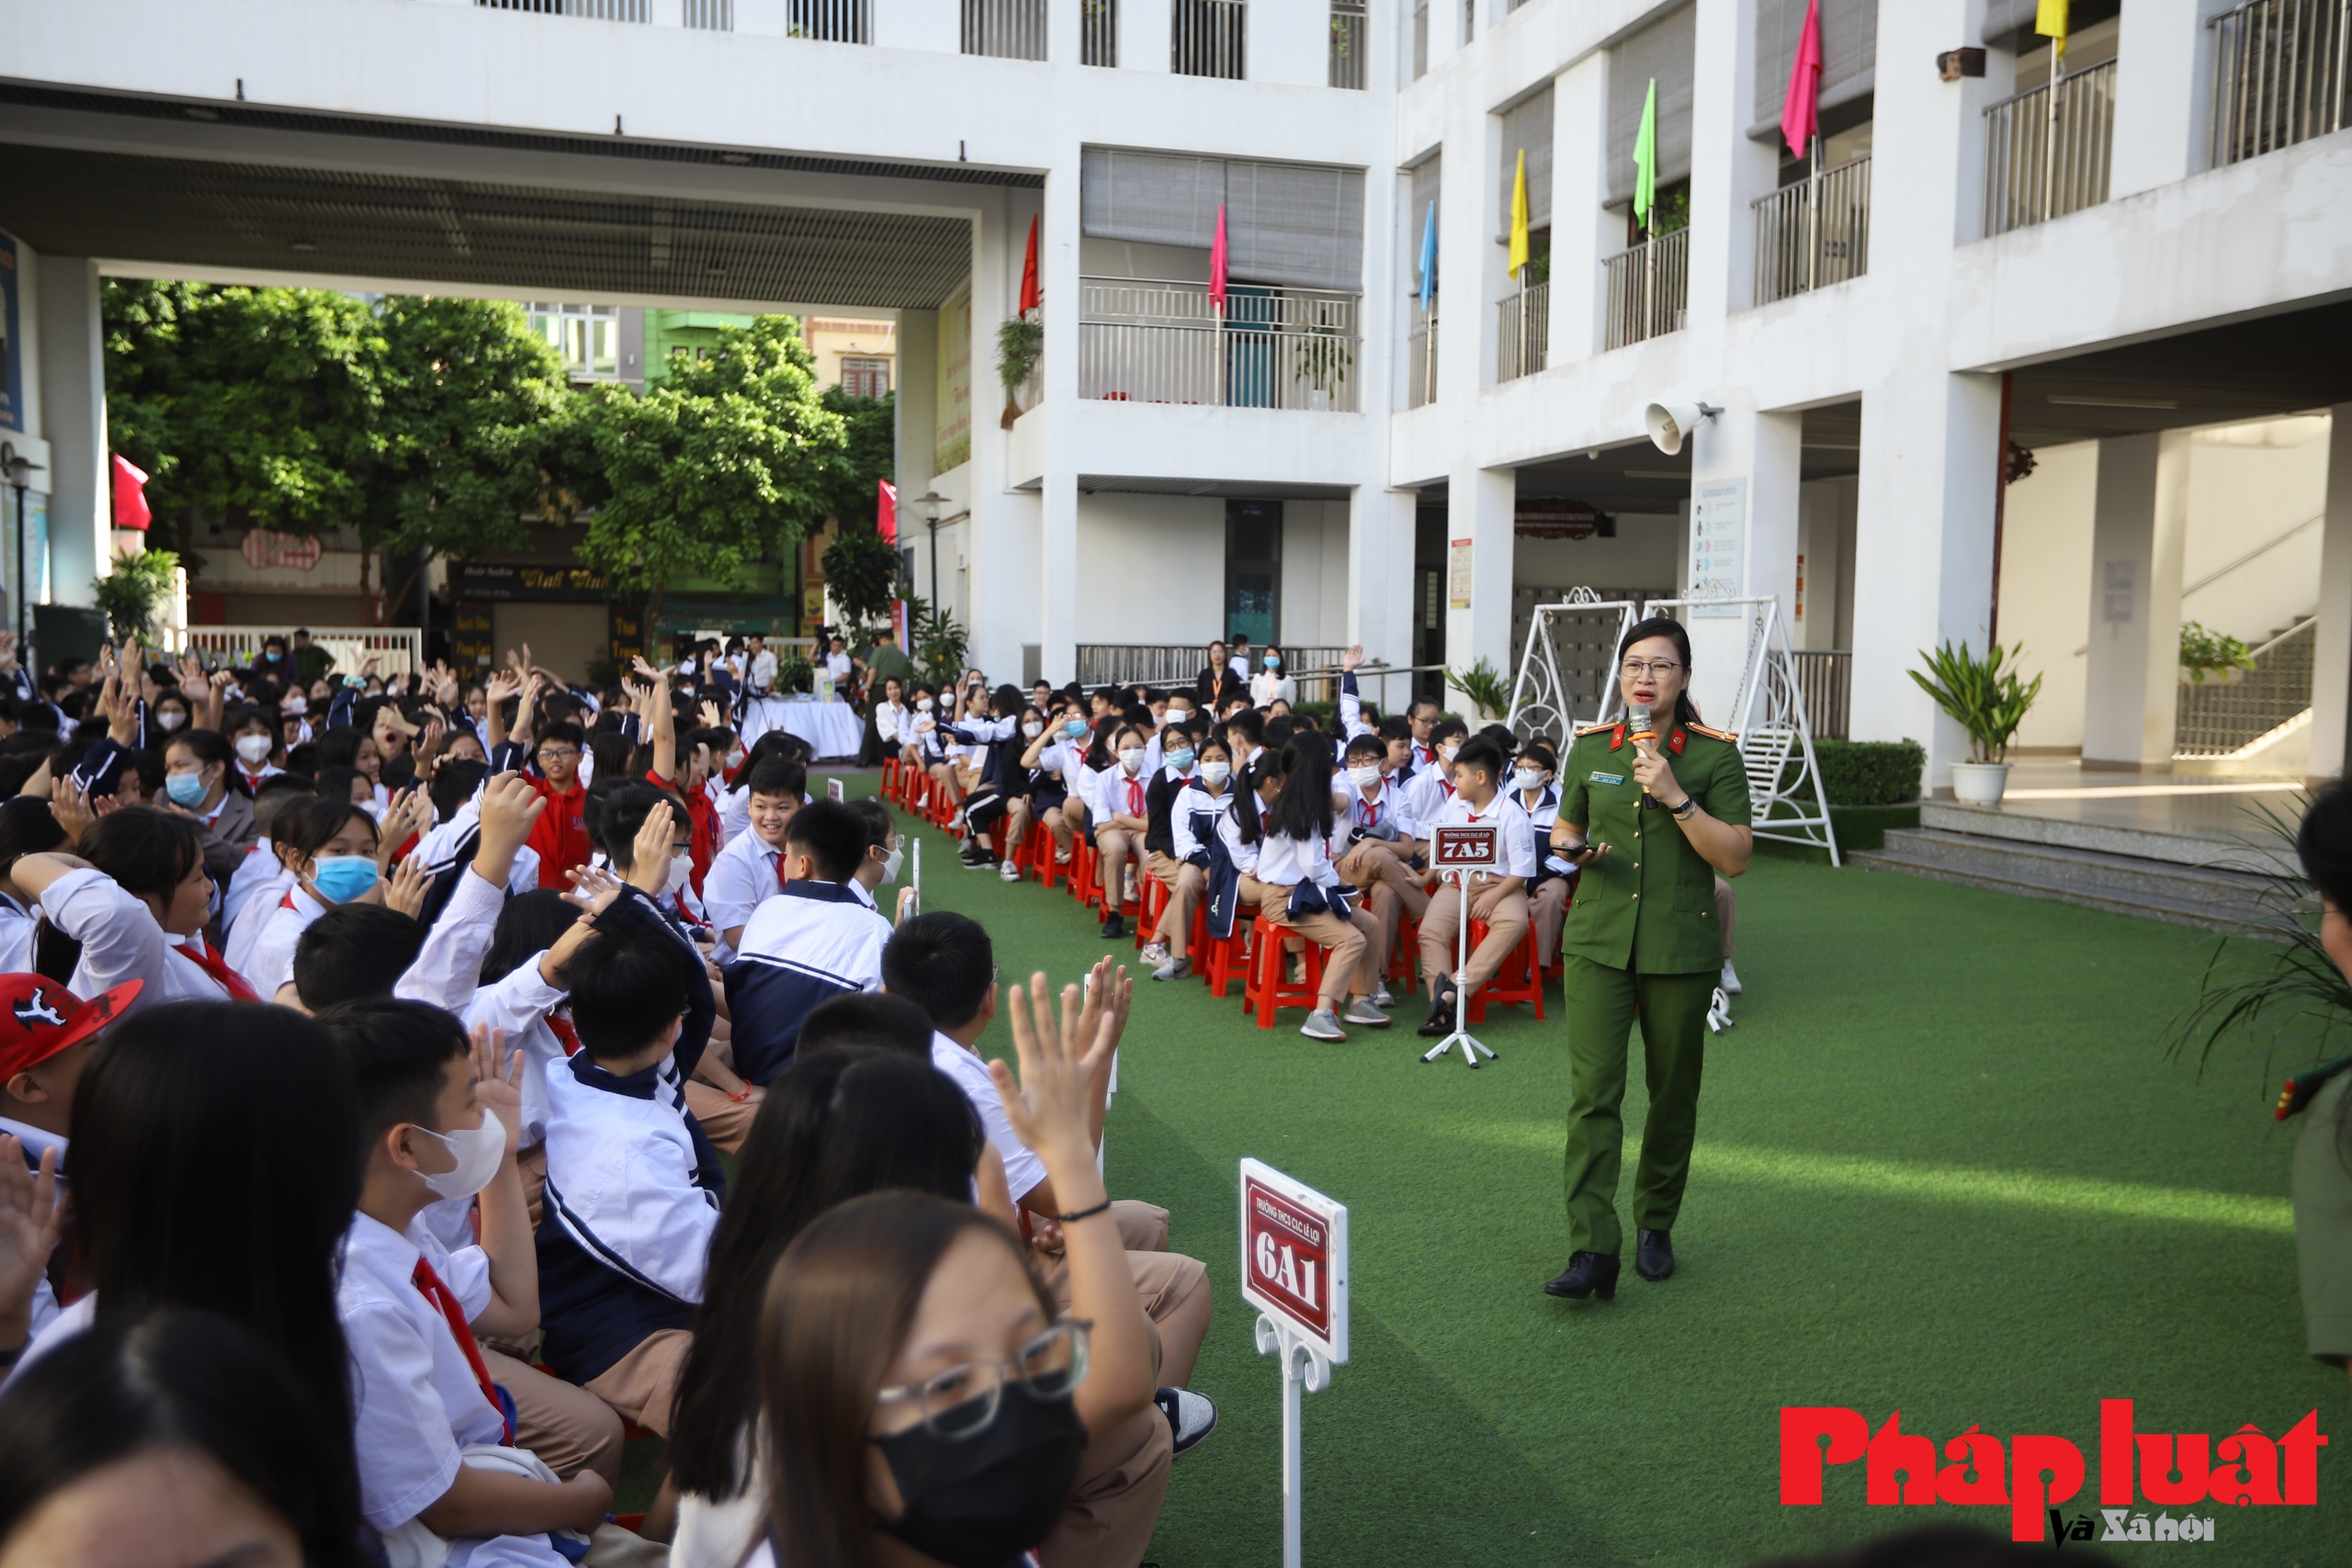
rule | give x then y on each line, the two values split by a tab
1380	570
1053	621
2332	670
1480	505
73	420
1727	169
998	553
2162	108
2138	530
1580	152
1759	453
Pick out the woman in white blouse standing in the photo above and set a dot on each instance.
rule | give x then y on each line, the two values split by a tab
1272	682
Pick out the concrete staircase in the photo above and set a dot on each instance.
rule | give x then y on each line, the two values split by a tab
2186	879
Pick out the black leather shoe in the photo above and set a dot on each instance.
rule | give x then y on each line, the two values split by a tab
1653	1255
1587	1274
1440	1021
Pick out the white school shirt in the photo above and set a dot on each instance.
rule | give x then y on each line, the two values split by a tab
1022	1169
1427	793
1285	861
416	1403
1359	810
741	877
120	942
1111	797
762	678
1243	856
257	871
621	1183
1189	802
440	843
1515	846
519	1003
270	962
1543	813
16	926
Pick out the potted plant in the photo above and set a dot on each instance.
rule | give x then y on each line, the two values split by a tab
1487	688
1018	341
2211	656
1987	701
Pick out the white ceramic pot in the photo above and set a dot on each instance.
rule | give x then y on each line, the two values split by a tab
1979	784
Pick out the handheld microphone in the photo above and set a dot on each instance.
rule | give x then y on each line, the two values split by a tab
1639	724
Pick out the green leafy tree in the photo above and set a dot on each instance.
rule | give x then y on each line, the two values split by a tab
862	575
712	471
133	591
869	457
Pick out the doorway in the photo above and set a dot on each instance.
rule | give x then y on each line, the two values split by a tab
1253	570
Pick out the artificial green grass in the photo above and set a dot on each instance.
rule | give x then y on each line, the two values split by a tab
1943	1164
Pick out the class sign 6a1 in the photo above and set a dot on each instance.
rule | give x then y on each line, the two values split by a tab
1294	1258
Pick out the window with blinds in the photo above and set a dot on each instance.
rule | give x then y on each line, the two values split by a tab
1849	55
1661	50
1527	126
1295	224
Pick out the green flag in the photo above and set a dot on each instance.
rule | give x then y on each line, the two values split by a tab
1645	158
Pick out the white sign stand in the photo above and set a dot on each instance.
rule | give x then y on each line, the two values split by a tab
915	878
1459	850
1541	703
1294	1270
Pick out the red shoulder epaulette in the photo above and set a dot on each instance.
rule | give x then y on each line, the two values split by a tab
1584	729
1713	734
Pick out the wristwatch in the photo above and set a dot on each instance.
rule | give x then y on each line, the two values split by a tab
1682	813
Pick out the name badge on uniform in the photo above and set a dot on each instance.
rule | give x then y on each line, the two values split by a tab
1602	778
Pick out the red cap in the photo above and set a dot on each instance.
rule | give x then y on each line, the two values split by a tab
38	1018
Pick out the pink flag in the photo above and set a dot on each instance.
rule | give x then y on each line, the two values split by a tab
1217	263
886	511
1801	114
129	494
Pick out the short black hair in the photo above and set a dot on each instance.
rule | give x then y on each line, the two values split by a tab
453	783
865	1018
1371	746
626	990
400	1055
832	835
943	964
778	775
1250	726
2323	841
559	729
879	823
527	926
623	814
1445	727
1482	754
355	952
143	850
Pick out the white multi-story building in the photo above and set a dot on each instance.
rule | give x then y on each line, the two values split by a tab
2157	243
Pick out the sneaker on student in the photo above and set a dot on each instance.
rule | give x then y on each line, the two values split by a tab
1323	1024
973	857
1730	979
1381	999
1061	857
1154	954
1008	871
1191	1417
1174	969
1113	926
1364	1010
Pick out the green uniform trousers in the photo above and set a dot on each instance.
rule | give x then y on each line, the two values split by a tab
1600	1005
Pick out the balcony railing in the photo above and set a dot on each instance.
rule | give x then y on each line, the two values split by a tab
1178	664
1147	341
1005	29
1098	32
1523	334
592	10
833	21
2216	719
1813	234
2047	151
1205	38
711	15
1826	677
1421	354
1649	290
1351	34
2279	74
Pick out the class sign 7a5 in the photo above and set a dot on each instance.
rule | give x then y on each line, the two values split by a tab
1294	1256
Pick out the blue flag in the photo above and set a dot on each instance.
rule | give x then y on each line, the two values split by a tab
1428	258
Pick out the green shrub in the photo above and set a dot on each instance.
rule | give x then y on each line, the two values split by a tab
1871	772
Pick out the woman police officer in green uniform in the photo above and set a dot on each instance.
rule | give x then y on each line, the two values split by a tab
1650	819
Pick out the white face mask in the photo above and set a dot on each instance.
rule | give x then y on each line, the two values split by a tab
924	705
1216	772
1365	776
293	705
1131	759
476	1151
1530	779
681	867
735	757
1032	729
170	719
890	863
254	749
1445	752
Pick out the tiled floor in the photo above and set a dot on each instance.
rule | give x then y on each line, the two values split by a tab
2061	789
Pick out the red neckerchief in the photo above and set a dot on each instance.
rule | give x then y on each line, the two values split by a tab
1135	797
565	1035
429	1284
1371	810
212	963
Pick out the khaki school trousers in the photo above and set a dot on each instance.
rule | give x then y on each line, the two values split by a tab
1506	917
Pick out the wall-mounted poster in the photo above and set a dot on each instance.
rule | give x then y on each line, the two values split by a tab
952	446
12	370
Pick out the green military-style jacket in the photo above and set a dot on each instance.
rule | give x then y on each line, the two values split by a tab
1649	904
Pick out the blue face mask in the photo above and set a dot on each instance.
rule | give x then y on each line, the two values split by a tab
1181	761
1074	729
342	878
185	789
1272	661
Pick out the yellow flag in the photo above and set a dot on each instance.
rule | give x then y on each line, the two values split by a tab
2050	22
1519	216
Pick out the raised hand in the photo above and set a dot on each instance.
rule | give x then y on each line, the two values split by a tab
32	1215
503	685
649	865
711	717
1050	1107
70	804
510	808
406	889
500	1088
594	889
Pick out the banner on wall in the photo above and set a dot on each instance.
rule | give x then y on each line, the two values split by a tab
12	370
952	448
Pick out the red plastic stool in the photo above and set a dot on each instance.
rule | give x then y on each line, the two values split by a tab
1520	978
1404	963
1216	959
1154	905
1267	988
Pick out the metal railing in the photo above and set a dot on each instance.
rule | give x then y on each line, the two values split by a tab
2213	719
1149	341
1098	32
396	649
1826	678
711	16
1421	354
2279	74
1206	37
1005	29
1813	234
1179	664
1523	335
590	10
1649	290
1420	39
833	21
2047	151
1351	35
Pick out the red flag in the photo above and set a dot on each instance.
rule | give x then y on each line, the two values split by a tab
1801	114
1217	263
130	495
886	511
1030	296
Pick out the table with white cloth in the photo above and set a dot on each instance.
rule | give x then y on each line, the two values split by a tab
832	729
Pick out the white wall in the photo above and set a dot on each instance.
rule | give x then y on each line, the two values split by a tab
1314	573
1644	555
2046	586
1150	568
2250	485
